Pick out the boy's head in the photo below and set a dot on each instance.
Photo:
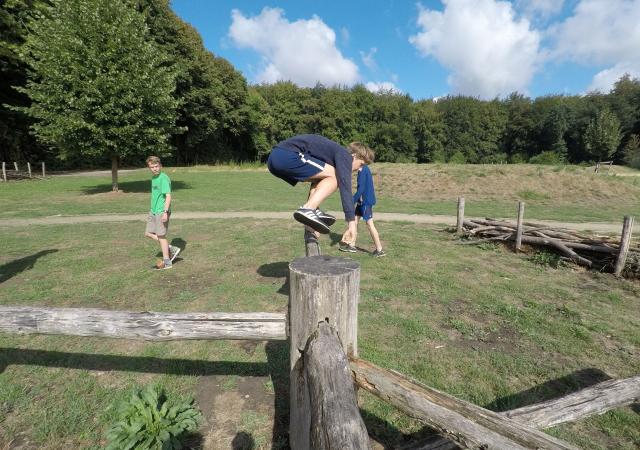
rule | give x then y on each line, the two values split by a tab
361	155
154	164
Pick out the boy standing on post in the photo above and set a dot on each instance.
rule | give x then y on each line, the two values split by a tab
364	199
327	166
159	213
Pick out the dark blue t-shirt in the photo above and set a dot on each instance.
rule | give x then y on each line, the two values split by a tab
331	153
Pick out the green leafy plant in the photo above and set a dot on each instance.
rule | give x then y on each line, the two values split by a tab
147	420
546	258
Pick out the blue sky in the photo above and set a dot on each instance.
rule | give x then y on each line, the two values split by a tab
427	49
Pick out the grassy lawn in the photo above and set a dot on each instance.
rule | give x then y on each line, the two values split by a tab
480	323
565	193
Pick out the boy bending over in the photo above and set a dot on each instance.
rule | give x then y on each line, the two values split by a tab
327	166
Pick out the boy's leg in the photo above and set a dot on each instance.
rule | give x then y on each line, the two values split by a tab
164	246
374	234
323	184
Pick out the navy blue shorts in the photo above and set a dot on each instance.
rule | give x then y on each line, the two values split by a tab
293	166
364	211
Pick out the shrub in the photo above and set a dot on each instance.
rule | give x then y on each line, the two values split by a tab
149	421
549	158
546	258
457	158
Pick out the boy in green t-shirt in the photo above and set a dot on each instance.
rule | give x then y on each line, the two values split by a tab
159	213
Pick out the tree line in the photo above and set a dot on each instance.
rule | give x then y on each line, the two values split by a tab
92	82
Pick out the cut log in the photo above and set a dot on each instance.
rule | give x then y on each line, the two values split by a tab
151	326
335	418
469	425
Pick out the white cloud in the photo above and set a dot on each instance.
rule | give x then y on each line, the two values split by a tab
601	33
368	59
383	86
540	8
487	49
303	51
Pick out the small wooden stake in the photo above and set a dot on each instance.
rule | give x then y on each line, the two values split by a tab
29	169
4	171
625	240
42	169
15	166
519	229
460	215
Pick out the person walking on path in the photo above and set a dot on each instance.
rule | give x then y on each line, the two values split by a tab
160	212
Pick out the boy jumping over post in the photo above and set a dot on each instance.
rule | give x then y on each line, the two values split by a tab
364	199
327	166
160	211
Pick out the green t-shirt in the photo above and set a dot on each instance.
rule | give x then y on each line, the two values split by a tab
160	187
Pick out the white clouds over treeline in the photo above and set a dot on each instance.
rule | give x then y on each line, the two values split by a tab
489	47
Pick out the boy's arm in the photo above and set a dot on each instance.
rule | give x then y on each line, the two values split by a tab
343	177
167	205
359	189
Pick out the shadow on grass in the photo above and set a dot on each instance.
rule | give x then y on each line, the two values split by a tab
140	186
552	389
243	441
13	268
277	270
276	367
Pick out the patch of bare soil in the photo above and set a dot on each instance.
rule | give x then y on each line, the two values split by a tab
227	405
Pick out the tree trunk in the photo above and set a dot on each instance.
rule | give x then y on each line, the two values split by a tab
114	173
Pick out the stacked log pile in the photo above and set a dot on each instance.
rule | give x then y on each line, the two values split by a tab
595	252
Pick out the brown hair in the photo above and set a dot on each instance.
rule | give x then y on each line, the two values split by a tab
153	160
361	151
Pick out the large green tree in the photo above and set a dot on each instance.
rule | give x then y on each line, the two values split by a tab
100	88
602	136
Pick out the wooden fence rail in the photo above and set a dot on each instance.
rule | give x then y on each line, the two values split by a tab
470	426
151	326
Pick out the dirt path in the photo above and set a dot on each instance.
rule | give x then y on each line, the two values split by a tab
597	227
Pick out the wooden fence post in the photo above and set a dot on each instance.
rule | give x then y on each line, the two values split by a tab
625	240
4	171
460	215
321	289
15	166
29	169
311	244
519	229
42	169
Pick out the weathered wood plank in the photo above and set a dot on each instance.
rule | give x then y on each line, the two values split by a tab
587	402
311	244
335	418
469	425
142	325
321	289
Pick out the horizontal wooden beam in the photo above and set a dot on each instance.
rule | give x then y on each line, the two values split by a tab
151	326
469	425
590	401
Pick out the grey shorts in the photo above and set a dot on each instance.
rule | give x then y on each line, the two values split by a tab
156	226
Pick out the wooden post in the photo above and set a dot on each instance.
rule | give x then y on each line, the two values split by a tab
311	244
29	169
15	166
460	221
4	171
321	289
43	169
625	240
331	389
519	229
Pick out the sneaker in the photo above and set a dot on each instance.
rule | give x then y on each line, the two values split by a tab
326	217
309	217
344	247
378	253
162	265
173	252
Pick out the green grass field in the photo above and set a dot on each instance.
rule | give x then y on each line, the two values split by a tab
479	322
570	194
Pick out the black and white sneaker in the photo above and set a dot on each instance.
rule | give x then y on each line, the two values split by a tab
326	217
309	217
344	247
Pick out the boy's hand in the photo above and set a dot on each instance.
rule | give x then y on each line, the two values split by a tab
164	217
